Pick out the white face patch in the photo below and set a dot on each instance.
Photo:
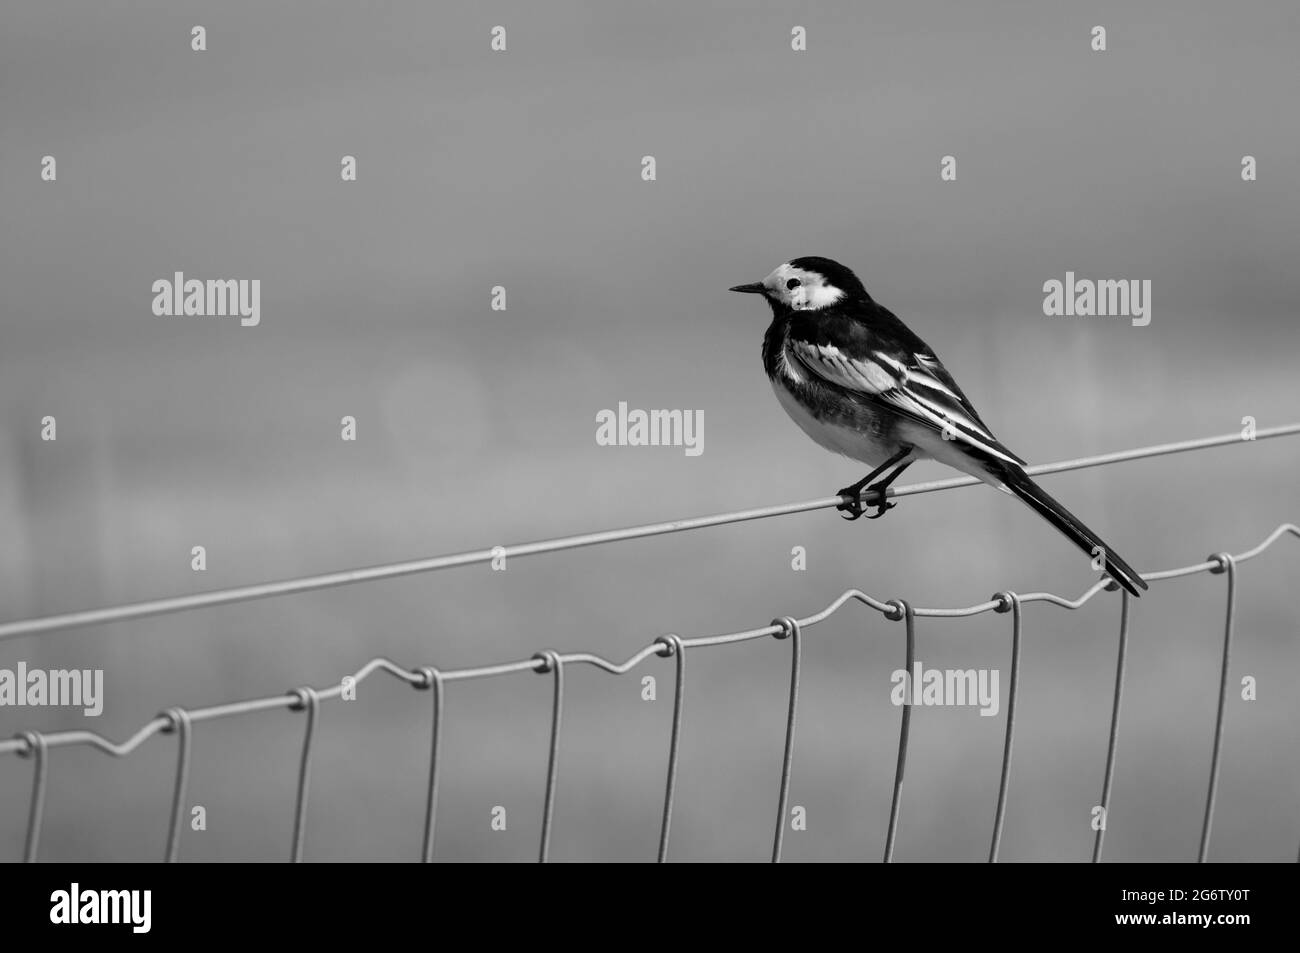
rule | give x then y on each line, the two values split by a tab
811	291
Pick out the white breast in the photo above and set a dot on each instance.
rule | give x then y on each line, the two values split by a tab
848	441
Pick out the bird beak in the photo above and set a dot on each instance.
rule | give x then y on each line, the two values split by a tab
757	288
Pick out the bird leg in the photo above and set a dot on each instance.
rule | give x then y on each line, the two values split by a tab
853	503
880	486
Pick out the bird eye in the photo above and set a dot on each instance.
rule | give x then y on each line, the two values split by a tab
792	283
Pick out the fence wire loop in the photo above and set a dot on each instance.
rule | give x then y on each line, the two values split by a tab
669	645
897	610
33	743
175	718
1222	561
303	697
1005	600
788	626
549	659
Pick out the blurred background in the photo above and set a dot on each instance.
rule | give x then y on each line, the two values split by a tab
476	427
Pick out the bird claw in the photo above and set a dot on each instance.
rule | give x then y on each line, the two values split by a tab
852	504
883	509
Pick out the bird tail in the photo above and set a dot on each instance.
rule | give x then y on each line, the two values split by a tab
1019	483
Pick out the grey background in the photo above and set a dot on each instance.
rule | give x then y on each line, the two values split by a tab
477	427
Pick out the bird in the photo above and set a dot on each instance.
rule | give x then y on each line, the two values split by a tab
860	383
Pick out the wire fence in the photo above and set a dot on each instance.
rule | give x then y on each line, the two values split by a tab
179	721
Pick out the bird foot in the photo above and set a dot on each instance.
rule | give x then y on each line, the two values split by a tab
852	504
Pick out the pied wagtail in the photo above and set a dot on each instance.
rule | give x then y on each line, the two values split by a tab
861	384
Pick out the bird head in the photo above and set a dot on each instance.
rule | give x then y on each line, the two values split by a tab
807	284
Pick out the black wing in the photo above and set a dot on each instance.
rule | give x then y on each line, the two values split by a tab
884	363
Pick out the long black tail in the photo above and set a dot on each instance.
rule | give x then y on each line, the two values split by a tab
1019	483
